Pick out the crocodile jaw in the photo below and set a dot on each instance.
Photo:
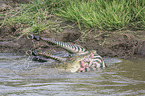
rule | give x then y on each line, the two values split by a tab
73	68
76	65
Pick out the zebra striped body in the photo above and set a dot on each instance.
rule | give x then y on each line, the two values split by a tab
87	62
71	48
97	61
92	63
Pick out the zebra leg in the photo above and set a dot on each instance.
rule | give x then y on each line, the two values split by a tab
35	56
36	37
39	59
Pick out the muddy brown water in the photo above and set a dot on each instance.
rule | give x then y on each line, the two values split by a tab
21	77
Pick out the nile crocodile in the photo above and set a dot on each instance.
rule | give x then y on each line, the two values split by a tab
92	61
74	64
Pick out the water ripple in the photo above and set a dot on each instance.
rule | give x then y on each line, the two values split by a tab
21	77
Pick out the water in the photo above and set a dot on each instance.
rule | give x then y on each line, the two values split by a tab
20	77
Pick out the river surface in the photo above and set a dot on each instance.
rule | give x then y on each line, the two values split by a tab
21	77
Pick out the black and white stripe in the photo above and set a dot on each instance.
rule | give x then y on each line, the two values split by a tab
61	59
71	48
93	63
97	61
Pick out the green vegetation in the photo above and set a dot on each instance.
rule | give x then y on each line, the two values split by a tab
98	14
36	15
105	14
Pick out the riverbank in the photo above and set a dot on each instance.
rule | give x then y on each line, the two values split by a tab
122	43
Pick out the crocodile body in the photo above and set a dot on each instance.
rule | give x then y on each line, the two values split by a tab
73	64
79	63
83	61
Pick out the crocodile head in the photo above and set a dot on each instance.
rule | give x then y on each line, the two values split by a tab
73	65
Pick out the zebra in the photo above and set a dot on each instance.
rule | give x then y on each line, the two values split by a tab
93	62
71	48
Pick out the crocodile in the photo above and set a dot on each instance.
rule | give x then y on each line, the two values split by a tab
92	61
73	64
89	63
